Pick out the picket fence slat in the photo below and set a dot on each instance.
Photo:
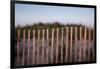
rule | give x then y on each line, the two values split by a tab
34	47
89	44
57	45
38	46
47	46
71	44
23	47
66	44
62	46
80	44
75	44
93	46
85	43
28	57
52	40
18	44
43	46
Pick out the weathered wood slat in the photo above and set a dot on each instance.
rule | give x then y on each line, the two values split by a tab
57	30
85	44
38	46
47	46
23	47
66	44
28	58
18	44
89	44
93	46
62	46
52	40
75	44
34	47
80	44
71	44
43	46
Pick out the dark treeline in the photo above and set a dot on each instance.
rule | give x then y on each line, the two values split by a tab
40	26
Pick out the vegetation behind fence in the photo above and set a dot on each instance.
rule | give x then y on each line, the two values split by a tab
41	26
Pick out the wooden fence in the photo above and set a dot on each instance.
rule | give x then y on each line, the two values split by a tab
61	45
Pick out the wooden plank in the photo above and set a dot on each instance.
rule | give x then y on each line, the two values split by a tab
33	47
89	44
43	46
52	40
47	46
28	58
80	44
18	44
62	46
23	47
85	44
66	44
57	35
75	44
38	46
93	46
71	44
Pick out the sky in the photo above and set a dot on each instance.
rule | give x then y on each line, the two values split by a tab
30	14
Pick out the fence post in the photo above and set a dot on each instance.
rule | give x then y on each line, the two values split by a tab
18	44
33	46
38	46
28	46
43	46
71	44
89	44
80	44
47	46
66	44
93	42
62	46
52	40
23	46
75	44
57	30
85	43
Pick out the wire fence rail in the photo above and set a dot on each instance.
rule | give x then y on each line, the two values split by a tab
52	46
